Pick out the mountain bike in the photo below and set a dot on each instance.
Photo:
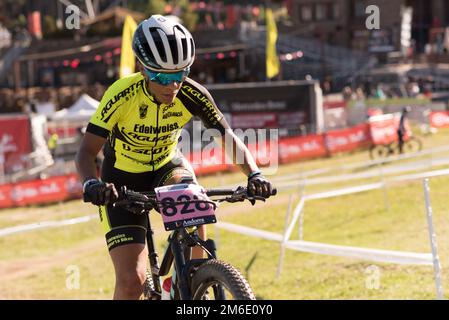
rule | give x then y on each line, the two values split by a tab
411	145
183	208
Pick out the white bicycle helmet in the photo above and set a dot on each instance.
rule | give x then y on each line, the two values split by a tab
163	44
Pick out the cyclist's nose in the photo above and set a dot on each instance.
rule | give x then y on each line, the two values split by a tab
174	85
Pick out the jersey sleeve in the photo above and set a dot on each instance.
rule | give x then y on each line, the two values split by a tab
198	100
108	112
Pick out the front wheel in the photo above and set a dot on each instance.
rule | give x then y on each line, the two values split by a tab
222	280
379	151
412	145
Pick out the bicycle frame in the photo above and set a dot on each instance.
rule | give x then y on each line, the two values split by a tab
178	251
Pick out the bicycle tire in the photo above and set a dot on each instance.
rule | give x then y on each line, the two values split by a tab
412	145
149	292
378	151
219	273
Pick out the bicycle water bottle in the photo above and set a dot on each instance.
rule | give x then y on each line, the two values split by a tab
166	286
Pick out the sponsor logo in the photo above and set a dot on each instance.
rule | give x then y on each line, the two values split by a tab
142	138
143	109
207	106
145	151
141	128
172	114
192	222
197	94
123	94
164	109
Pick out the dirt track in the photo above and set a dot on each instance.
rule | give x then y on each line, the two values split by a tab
12	270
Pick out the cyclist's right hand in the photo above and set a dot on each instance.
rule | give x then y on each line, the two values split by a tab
99	193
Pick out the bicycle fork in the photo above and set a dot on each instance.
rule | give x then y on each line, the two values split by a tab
153	258
180	245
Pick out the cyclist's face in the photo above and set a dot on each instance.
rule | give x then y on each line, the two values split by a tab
164	87
164	94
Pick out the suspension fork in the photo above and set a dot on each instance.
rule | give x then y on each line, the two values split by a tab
177	247
153	257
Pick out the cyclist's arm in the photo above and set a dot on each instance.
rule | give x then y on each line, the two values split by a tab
100	125
200	103
236	150
91	145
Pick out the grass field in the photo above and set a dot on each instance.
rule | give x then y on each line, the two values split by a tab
42	264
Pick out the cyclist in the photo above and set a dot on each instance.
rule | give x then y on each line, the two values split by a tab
401	131
139	121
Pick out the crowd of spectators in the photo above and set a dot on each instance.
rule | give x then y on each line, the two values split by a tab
413	88
27	100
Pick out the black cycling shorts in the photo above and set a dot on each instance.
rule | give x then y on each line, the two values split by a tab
121	226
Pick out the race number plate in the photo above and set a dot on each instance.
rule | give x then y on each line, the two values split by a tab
186	214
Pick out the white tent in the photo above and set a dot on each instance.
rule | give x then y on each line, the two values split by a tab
81	110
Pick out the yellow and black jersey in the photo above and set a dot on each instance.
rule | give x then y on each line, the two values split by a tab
142	133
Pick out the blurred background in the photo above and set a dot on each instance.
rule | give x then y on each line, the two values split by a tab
306	68
331	76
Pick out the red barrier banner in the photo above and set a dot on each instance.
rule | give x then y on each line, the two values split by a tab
439	119
265	153
15	139
291	149
40	191
334	104
207	161
348	139
384	127
5	196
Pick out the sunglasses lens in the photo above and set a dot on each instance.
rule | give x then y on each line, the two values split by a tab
167	78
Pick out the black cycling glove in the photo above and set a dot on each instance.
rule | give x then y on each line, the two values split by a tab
99	193
258	185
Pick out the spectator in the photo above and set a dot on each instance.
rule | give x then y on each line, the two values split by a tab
326	86
347	93
401	128
359	94
379	93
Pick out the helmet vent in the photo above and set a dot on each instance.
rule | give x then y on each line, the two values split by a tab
158	42
173	48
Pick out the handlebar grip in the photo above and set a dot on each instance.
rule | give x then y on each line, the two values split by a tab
274	191
220	192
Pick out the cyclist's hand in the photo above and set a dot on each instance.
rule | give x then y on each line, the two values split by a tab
258	185
99	193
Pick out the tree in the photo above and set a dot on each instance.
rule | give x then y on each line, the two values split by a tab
188	16
155	7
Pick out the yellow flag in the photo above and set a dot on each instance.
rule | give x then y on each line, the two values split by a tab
272	35
127	60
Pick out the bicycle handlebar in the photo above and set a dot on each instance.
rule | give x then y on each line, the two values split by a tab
147	200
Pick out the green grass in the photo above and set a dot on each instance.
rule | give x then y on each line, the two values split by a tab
355	220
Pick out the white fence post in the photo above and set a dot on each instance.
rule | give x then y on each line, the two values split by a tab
433	242
302	192
384	187
282	249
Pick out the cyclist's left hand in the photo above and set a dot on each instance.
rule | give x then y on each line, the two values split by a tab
258	185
